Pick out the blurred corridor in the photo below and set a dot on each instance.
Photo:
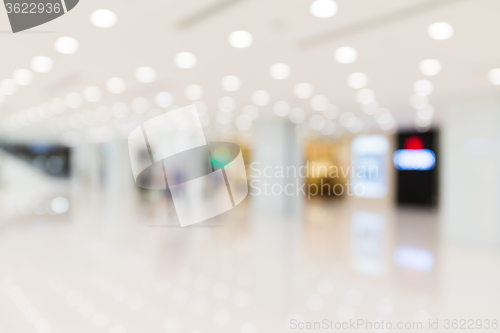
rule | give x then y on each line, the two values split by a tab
250	166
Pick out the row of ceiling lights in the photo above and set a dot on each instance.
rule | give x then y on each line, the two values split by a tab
242	39
238	39
422	89
366	97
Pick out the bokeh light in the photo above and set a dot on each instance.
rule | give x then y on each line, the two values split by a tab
92	94
42	64
440	31
164	99
240	39
345	55
103	18
357	80
365	96
231	83
280	71
303	90
494	76
67	45
23	77
423	87
185	60
323	8
429	67
8	87
60	205
116	85
261	98
145	74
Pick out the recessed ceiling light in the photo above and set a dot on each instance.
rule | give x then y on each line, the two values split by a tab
423	87
494	76
261	98
429	67
67	45
116	85
280	71
440	31
185	60
41	64
92	94
23	77
103	18
324	8
231	83
357	80
164	99
345	55
193	92
145	74
240	39
303	90
8	87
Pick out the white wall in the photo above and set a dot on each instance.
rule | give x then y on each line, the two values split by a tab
470	171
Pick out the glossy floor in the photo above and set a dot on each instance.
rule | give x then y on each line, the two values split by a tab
122	267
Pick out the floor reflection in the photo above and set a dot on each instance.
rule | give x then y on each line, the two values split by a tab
104	266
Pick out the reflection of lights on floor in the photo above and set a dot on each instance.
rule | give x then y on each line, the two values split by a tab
416	259
367	242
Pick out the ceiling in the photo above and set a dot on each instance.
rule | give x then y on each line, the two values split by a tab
390	37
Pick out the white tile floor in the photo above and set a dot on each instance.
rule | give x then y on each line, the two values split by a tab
107	268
